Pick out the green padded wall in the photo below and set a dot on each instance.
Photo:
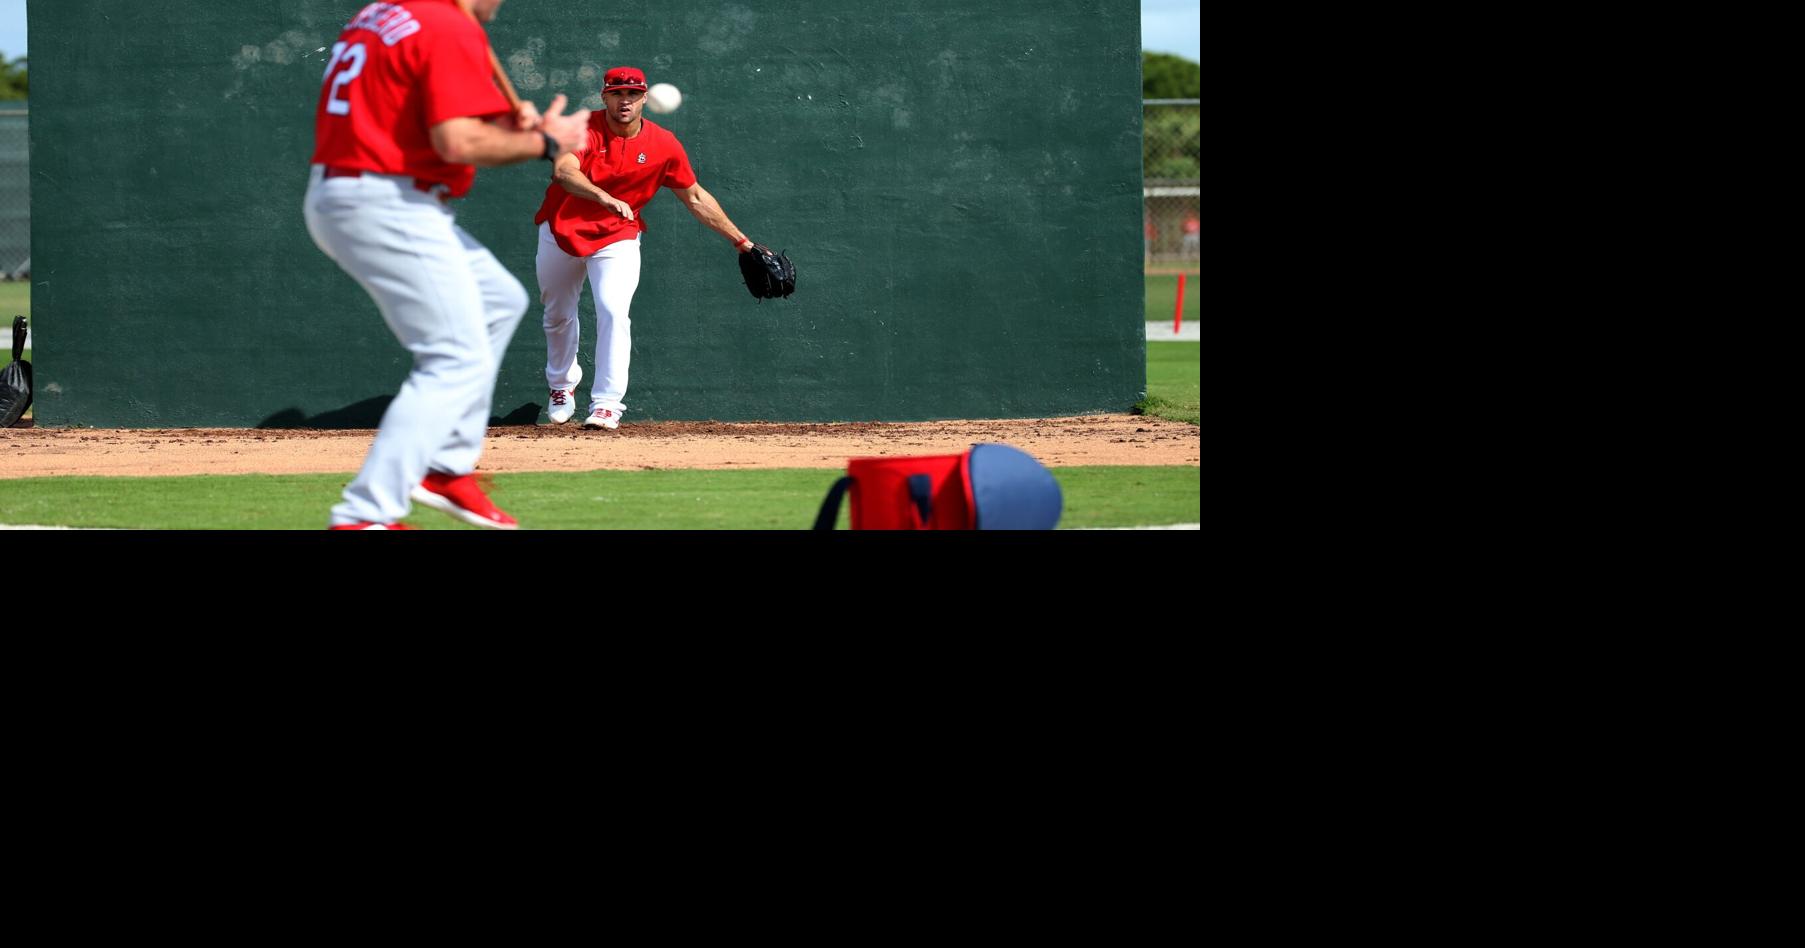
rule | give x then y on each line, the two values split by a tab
958	184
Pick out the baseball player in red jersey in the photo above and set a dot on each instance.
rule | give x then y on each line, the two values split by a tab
407	111
589	227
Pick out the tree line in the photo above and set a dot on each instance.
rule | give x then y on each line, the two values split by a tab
1165	76
13	82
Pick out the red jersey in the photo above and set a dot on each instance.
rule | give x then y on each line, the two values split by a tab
631	170
398	69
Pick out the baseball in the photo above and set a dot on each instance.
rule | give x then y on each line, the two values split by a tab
663	98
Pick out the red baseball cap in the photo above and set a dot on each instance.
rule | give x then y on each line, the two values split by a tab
623	77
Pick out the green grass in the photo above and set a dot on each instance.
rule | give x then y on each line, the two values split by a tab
1172	382
784	499
1172	367
1129	496
15	300
1162	290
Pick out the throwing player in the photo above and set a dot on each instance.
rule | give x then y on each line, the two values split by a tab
589	227
406	114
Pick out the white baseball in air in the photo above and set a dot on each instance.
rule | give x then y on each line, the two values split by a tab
663	98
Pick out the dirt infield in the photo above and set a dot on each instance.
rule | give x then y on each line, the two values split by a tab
1057	442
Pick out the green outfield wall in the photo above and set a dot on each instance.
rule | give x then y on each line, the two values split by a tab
959	185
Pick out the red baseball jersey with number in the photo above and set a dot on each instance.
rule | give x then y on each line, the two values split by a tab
398	69
630	170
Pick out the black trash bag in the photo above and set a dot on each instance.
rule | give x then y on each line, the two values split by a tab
15	380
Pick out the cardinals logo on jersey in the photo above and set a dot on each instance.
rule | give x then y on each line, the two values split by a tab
642	157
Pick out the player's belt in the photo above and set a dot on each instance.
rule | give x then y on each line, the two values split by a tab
420	184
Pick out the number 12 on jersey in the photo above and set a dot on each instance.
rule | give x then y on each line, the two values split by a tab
351	56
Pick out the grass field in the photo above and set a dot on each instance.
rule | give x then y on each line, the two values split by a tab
1173	368
1173	381
1161	290
594	500
15	300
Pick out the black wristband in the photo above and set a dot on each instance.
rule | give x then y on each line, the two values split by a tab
551	147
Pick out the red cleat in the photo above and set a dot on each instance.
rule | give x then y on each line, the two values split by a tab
459	496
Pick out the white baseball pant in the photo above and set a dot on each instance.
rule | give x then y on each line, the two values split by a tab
447	300
613	274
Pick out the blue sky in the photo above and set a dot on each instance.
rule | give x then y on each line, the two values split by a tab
12	28
1167	26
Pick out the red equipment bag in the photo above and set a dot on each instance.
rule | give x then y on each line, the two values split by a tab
990	487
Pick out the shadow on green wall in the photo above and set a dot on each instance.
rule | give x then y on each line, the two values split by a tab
368	414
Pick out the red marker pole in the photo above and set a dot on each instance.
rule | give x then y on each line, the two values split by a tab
1178	308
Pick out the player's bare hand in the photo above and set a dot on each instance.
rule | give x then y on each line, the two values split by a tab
618	206
570	131
527	117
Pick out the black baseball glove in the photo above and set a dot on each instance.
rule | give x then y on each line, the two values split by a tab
768	274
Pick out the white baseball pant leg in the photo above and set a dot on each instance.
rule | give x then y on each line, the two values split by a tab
613	274
447	300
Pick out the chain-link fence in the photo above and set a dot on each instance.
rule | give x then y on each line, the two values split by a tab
1172	172
15	193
